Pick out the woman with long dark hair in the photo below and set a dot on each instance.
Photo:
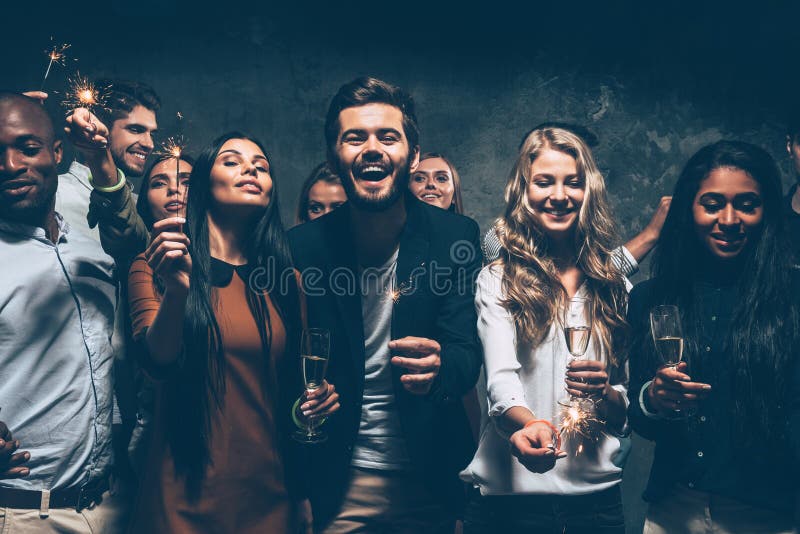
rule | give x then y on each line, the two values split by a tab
724	419
556	256
164	189
226	351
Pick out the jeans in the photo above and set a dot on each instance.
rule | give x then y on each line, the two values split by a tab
595	513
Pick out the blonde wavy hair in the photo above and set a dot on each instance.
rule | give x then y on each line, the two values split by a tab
533	291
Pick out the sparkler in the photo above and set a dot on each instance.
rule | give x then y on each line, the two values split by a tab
55	55
578	421
172	148
84	94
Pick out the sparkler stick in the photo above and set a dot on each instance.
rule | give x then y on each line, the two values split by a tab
172	148
55	55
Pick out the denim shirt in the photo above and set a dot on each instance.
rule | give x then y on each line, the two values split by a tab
57	305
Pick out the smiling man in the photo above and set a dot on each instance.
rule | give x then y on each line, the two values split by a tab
58	300
114	148
396	292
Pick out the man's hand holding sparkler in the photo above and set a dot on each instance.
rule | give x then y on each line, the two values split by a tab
90	136
86	132
672	390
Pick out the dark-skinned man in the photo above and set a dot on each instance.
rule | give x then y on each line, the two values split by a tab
57	298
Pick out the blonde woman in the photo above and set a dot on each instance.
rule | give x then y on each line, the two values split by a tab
557	244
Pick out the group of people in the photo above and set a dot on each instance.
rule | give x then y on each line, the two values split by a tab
150	375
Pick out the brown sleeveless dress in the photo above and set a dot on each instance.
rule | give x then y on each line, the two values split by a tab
243	489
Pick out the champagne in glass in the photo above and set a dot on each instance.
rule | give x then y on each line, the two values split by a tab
314	352
577	326
665	324
314	368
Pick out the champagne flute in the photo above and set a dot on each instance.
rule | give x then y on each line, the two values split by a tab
577	324
314	353
665	325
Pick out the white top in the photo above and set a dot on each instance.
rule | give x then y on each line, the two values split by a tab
380	443
532	377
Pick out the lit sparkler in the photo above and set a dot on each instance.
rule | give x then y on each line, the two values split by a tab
578	421
172	148
84	94
55	55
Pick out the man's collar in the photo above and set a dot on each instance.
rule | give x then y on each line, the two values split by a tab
80	172
35	232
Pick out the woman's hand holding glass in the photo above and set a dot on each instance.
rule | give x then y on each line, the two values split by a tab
587	378
321	402
672	390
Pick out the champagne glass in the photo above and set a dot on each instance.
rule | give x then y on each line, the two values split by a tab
314	353
665	324
577	324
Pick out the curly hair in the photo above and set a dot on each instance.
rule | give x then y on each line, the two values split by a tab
534	293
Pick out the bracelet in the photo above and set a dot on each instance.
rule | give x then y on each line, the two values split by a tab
296	418
552	427
112	188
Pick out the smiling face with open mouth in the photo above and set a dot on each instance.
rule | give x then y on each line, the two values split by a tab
131	140
374	157
240	177
727	211
555	192
432	182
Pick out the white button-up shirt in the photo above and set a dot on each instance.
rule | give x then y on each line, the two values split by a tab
532	377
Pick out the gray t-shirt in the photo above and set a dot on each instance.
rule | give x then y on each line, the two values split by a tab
380	443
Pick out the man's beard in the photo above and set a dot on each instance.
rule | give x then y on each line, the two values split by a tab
376	202
119	161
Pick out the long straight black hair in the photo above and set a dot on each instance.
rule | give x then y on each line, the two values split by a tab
764	330
198	385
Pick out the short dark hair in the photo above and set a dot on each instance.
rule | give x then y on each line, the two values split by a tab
33	106
366	90
122	97
793	123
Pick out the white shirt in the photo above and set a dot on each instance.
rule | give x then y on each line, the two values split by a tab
380	443
532	377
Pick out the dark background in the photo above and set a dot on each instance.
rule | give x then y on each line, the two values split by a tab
655	83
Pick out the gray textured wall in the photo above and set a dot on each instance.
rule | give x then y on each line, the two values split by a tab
654	82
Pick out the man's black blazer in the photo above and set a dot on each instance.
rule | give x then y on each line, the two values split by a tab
438	261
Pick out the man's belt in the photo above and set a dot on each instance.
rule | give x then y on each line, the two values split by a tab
78	497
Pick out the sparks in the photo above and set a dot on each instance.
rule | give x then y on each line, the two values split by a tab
84	94
578	421
172	148
54	55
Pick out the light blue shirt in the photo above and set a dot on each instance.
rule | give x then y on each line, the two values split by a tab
72	198
57	305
